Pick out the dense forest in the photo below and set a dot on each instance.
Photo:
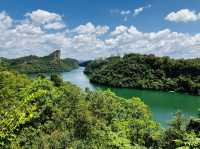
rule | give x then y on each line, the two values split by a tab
147	72
46	113
35	64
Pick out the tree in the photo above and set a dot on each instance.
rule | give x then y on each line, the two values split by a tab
56	79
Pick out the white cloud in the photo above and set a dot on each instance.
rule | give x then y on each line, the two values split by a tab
5	20
42	17
125	12
89	28
88	41
138	11
161	43
49	20
183	15
119	29
27	29
55	25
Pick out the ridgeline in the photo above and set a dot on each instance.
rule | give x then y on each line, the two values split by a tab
147	72
35	64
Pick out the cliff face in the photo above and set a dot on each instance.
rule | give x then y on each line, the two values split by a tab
49	63
54	56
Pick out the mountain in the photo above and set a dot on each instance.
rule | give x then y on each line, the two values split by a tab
147	72
35	64
84	63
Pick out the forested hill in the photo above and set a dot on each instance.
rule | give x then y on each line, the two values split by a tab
52	114
35	64
147	72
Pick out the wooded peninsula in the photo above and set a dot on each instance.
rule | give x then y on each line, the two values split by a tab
147	72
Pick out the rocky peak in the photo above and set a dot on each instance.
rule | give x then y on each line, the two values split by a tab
55	56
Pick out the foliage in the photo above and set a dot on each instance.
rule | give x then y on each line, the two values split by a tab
147	72
56	80
53	114
41	113
34	64
189	141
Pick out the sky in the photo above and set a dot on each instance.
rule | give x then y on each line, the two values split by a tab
89	29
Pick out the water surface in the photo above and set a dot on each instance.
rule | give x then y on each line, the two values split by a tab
162	104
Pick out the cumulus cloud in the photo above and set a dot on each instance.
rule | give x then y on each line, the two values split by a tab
164	42
119	29
49	20
88	41
89	28
183	15
5	20
41	16
55	26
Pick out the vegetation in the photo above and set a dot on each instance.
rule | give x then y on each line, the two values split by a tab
147	72
53	114
34	64
84	63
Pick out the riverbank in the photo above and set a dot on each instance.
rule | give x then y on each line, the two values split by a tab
162	104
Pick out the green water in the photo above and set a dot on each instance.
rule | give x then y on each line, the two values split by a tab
162	104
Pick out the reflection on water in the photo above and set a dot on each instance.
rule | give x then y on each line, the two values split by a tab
162	104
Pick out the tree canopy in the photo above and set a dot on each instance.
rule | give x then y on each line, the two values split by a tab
53	114
35	64
147	72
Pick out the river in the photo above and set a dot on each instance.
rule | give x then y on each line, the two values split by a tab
162	104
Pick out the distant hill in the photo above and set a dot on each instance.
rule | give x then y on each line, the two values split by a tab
147	72
84	63
35	64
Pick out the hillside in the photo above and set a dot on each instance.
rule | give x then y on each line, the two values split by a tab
54	114
35	64
147	72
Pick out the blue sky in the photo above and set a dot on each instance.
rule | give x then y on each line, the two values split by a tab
98	12
150	17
